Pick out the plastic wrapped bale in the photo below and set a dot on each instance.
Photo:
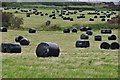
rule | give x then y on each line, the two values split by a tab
24	41
4	47
91	19
32	30
71	19
47	49
83	29
48	22
66	30
103	31
18	38
74	30
102	16
95	16
46	14
106	31
89	32
104	45
112	37
88	28
41	14
98	38
10	48
3	29
53	17
108	20
114	45
36	13
103	19
27	14
82	43
84	36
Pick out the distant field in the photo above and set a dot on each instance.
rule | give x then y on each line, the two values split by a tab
91	62
73	62
37	20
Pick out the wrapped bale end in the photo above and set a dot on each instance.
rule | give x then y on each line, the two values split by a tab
82	44
112	37
74	30
47	49
24	41
32	30
10	48
4	47
104	45
3	29
89	32
84	36
106	31
114	45
66	30
98	38
18	38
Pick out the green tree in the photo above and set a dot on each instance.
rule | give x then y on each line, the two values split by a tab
10	20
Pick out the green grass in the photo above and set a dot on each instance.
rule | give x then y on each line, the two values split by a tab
72	62
91	62
37	21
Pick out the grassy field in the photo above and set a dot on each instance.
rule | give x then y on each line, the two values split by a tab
37	21
73	62
91	62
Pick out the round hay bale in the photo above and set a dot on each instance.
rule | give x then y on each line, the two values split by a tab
47	49
46	14
18	38
66	30
48	22
41	14
112	37
67	14
95	16
83	29
71	19
60	14
106	31
114	45
108	20
74	30
27	14
82	44
10	48
103	19
91	19
4	46
16	12
103	31
32	30
89	32
36	13
53	17
24	41
98	13
3	29
98	38
84	36
104	45
88	28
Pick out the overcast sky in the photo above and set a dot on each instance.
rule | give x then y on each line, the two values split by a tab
59	0
96	0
